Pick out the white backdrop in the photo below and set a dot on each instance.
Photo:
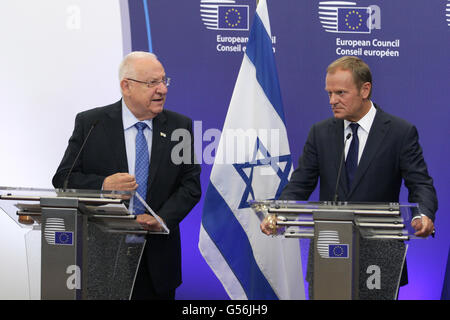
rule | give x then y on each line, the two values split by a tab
58	58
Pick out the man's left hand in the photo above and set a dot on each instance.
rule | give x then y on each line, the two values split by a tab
148	222
424	226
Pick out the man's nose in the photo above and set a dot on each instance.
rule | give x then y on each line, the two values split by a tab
333	99
161	88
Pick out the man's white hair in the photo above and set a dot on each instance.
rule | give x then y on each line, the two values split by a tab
126	68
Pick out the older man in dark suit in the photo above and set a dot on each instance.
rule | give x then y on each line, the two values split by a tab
130	148
381	151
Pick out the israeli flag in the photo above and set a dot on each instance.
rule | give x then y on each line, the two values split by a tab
253	162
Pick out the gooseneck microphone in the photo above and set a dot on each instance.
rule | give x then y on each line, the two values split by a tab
340	168
66	181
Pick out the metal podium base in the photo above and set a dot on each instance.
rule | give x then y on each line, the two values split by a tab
380	269
91	242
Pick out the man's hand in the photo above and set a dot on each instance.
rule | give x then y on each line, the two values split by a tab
120	181
148	222
424	226
269	225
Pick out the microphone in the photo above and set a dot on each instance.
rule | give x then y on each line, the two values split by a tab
340	168
66	181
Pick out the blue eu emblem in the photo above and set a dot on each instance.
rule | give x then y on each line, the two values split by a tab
64	238
338	250
354	20
233	17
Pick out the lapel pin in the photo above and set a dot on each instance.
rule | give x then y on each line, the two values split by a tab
162	134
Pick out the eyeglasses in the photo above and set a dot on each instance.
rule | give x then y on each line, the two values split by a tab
151	84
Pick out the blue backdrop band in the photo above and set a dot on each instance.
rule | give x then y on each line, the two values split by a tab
147	23
226	232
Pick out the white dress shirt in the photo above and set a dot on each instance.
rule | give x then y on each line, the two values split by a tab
365	123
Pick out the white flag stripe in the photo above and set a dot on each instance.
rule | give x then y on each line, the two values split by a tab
248	93
263	14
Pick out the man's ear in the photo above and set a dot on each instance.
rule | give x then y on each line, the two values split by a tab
365	90
125	87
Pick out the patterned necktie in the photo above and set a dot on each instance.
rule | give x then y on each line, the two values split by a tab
141	167
351	163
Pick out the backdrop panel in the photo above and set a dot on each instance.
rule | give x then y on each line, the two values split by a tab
406	44
63	55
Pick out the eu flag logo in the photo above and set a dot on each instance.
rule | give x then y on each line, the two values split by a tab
234	17
354	20
64	238
338	250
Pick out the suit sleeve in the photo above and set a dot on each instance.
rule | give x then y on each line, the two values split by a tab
77	179
415	174
304	179
188	190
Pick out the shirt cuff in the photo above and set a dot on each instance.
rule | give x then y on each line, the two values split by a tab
418	217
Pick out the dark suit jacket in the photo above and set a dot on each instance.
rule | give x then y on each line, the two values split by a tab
173	189
392	153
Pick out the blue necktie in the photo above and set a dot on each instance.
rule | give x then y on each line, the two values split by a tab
351	163
141	167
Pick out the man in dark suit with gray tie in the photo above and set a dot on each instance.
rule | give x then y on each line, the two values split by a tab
130	148
381	151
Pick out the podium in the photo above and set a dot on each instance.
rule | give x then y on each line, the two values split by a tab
90	241
357	249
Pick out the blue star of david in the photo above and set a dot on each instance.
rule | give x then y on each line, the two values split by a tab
267	160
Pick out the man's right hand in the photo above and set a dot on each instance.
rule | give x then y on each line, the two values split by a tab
269	225
120	181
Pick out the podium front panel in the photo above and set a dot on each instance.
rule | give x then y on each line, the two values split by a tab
381	266
113	260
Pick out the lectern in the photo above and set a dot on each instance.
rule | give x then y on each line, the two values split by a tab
357	249
90	244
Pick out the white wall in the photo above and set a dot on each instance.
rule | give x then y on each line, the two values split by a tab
58	58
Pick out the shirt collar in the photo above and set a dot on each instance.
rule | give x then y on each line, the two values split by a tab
366	121
129	120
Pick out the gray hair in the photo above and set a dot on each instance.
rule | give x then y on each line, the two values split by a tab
126	68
